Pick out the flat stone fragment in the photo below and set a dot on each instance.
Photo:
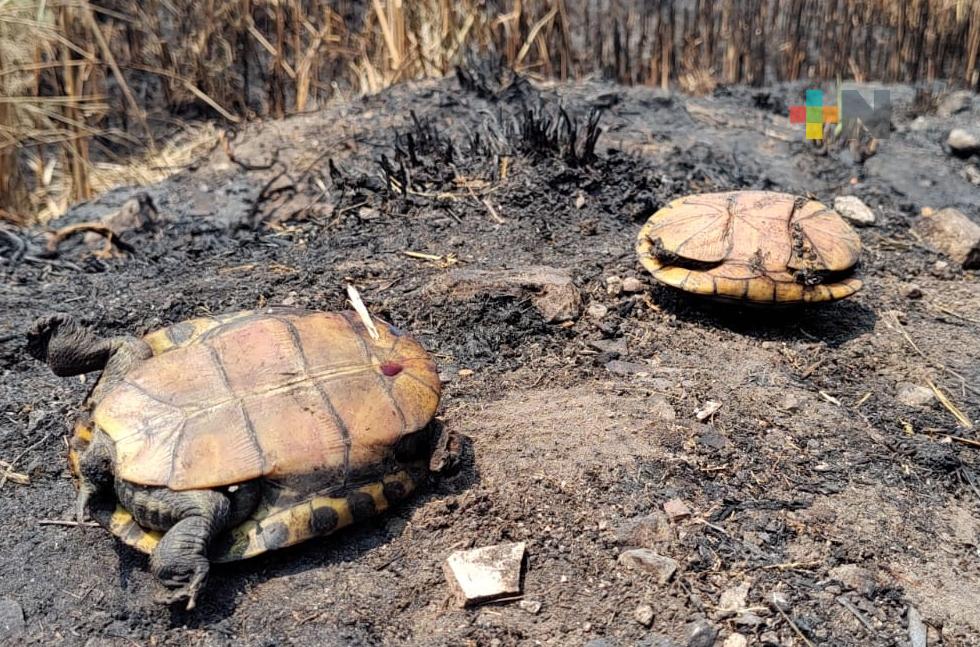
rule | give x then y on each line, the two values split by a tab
852	209
632	284
951	232
11	620
700	633
676	509
484	574
644	559
918	635
913	395
736	640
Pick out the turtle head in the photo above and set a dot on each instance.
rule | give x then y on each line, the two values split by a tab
40	333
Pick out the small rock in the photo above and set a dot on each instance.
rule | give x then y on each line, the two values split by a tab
531	606
854	210
855	578
910	291
579	200
940	267
710	437
955	103
913	395
485	574
732	601
971	174
645	559
614	286
651	531
619	367
736	640
632	284
748	619
597	310
792	402
769	638
918	634
612	346
465	372
951	232
11	620
644	614
963	143
700	633
709	409
677	510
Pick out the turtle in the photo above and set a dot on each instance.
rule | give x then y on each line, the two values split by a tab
753	247
221	437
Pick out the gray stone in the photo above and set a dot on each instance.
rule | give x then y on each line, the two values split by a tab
918	634
852	209
913	395
736	640
779	600
910	291
651	531
597	310
659	408
700	633
617	346
11	620
632	284
951	232
971	174
855	578
732	601
955	103
485	574
644	559
963	143
676	509
614	286
531	606
643	614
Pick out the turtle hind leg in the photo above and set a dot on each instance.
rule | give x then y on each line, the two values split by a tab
72	349
191	519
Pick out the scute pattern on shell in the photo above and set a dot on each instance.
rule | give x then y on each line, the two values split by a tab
754	246
273	393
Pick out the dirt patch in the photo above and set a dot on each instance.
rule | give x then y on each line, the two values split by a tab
577	429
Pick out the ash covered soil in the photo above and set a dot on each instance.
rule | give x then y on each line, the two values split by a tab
825	503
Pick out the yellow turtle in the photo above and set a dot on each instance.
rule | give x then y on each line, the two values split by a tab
758	247
219	438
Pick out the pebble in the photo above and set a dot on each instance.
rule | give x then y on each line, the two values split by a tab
732	601
659	408
736	640
854	210
650	531
484	574
707	410
614	286
963	143
955	103
769	638
644	614
11	620
855	578
952	232
792	402
913	395
597	310
619	367
700	633
676	509
917	629
645	559
971	173
910	291
531	606
779	600
632	284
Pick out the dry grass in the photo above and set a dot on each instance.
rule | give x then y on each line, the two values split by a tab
81	81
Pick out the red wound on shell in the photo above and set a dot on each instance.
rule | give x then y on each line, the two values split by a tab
391	369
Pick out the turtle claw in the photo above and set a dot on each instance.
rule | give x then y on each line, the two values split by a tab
186	591
81	505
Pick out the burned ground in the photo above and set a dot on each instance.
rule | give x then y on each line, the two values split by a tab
579	432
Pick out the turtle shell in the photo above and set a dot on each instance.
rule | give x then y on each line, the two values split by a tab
754	246
274	394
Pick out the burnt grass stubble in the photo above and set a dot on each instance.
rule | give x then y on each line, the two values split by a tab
773	479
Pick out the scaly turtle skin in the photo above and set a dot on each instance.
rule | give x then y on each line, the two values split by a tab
219	438
757	247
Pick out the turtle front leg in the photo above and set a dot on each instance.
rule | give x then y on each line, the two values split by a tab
94	472
191	518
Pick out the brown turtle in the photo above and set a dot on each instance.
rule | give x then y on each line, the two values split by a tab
752	246
218	438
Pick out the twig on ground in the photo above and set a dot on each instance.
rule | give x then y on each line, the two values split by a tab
13	463
66	522
952	408
844	602
793	626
